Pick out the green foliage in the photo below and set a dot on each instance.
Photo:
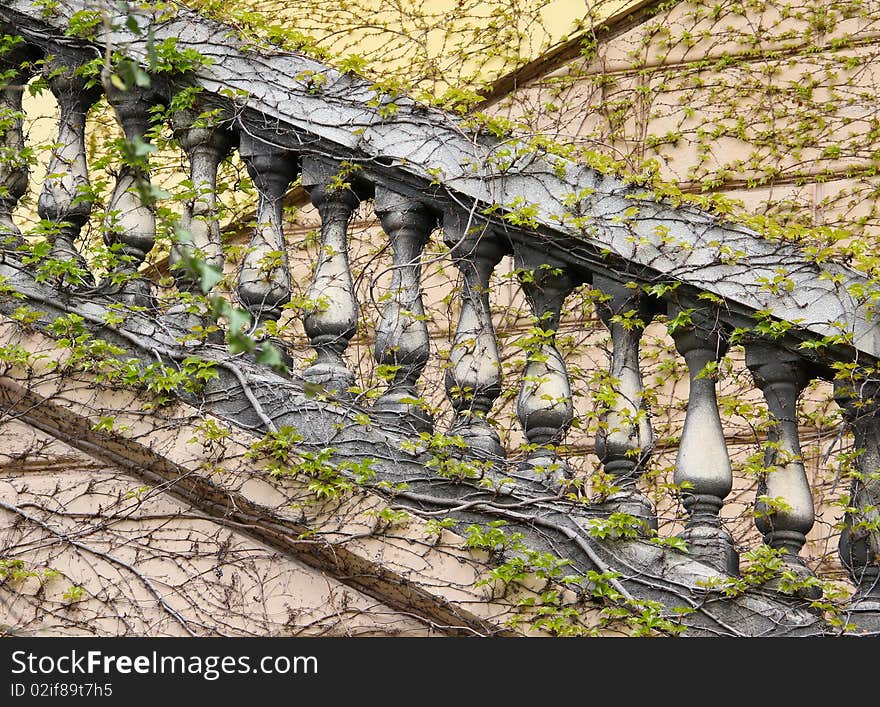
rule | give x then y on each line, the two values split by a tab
625	526
14	572
776	153
326	478
165	57
682	319
617	526
492	538
73	594
210	433
541	565
545	609
763	565
435	527
61	271
446	456
389	518
84	23
48	8
105	359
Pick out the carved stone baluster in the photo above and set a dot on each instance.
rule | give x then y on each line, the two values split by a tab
782	376
131	220
702	466
264	277
13	165
402	337
332	321
205	147
545	408
66	199
625	440
860	540
473	379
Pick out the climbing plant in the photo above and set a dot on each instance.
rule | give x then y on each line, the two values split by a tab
762	113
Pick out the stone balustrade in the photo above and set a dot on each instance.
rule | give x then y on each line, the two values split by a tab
289	134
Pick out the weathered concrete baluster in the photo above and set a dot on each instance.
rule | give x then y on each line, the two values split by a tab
784	506
545	408
131	220
332	321
205	147
860	540
625	441
14	75
264	277
702	466
473	379
402	337
66	198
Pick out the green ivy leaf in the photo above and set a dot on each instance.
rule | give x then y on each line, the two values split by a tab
269	355
238	319
208	276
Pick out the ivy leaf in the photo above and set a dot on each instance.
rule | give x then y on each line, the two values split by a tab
129	73
118	82
132	25
238	318
182	236
152	57
314	390
208	276
269	355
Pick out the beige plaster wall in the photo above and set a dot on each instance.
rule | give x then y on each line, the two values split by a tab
770	103
147	564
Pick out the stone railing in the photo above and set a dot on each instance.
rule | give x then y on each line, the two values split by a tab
290	117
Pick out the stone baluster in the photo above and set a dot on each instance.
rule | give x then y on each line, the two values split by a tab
545	407
702	465
402	338
859	544
130	227
15	71
66	198
473	379
205	147
625	441
784	506
332	320
264	276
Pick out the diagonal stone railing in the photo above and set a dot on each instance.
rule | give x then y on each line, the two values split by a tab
427	154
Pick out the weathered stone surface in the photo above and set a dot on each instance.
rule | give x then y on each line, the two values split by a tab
702	465
402	338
